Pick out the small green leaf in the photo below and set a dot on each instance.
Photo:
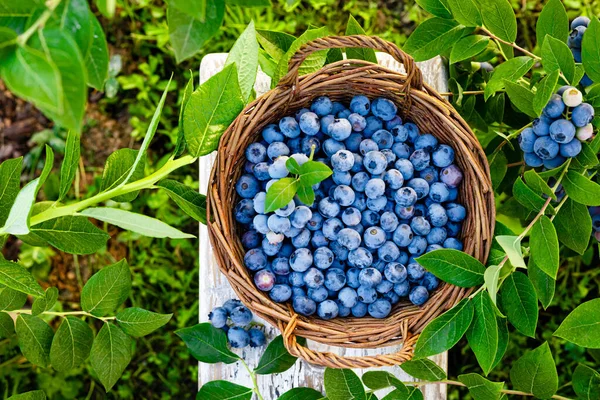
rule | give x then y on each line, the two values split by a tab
107	7
586	383
528	198
582	325
483	332
96	59
35	339
117	168
521	97
466	12
590	50
10	183
138	322
244	54
354	28
68	168
7	326
376	380
499	17
553	21
490	277
453	266
574	226
581	189
306	194
11	299
539	185
276	358
587	158
293	166
545	90
343	384
512	247
535	372
111	353
468	47
502	340
72	234
207	344
498	167
45	302
280	194
71	345
223	390
312	63
18	278
185	98
544	246
313	172
189	200
107	289
481	388
556	56
424	369
510	70
210	110
33	395
543	283
275	43
301	393
439	8
519	302
432	37
445	331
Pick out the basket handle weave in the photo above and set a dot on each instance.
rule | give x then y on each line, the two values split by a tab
414	77
332	360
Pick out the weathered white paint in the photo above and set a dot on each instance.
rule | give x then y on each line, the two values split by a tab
215	290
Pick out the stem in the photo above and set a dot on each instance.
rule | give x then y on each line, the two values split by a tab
254	381
143	183
465	92
65	313
39	23
511	44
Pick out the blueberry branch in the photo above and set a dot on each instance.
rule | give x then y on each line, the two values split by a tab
253	377
511	44
66	313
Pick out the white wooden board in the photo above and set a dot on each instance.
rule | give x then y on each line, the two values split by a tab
215	290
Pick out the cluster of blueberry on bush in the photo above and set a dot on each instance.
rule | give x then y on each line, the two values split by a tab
595	213
239	332
578	28
557	134
391	198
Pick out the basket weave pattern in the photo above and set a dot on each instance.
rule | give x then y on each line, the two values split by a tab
340	81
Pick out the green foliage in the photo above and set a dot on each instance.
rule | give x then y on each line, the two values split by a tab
207	344
276	358
453	266
107	289
535	372
110	354
224	390
343	384
582	326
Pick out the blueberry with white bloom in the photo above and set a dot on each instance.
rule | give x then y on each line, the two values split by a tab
384	109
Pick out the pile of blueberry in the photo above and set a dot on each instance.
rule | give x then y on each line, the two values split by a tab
578	28
557	134
239	333
595	213
391	198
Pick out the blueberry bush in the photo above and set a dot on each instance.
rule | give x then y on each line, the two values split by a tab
530	99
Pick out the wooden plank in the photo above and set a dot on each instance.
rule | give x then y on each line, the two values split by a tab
215	290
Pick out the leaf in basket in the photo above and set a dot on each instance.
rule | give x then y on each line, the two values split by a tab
343	384
292	165
280	194
313	172
276	358
207	344
424	369
453	266
354	28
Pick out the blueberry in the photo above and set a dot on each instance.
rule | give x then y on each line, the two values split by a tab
300	217
261	171
353	142
586	81
344	195
571	149
257	337
373	125
295	145
244	211
349	238
255	259
456	212
546	148
541	126
418	246
580	21
369	277
453	243
340	129
358	122
264	280
374	237
380	308
420	186
230	304
395	272
351	216
576	36
332	146
331	228
420	159
572	97
532	160
402	289
374	188
383	138
437	215
218	317
241	316
406	168
323	257
278	169
271	133
359	181
375	162
439	192
342	311
325	122
278	224
526	139
389	221
443	156
352	277
272	247
251	239
360	258
426	142
360	105
301	260
335	279
451	175
238	337
315	222
430	281
313	278
584	133
327	309
256	153
342	160
359	310
555	107
286	210
302	239
247	186
342	178
304	306
319	240
277	149
344	114
384	109
318	294
405	197
281	265
418	295
321	106
309	123
403	235
420	226
308	144
561	131
329	208
393	179
296	279
582	115
367	146
366	294
360	202
336	107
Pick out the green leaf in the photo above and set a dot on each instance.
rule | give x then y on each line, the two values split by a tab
512	247
71	345
11	299
453	266
499	18
581	189
224	390
553	21
586	383
210	110
545	90
72	234
275	43
519	302
544	246
244	54
313	172
439	8
306	194
590	50
535	372
207	344
189	30
354	28
190	201
276	358
96	59
502	340
45	302
185	98
582	325
528	198
593	97
343	384
33	395
110	354
106	7
480	388
510	70
312	63
483	332
134	222
7	326
490	277
138	322
424	369
432	37
292	165
8	40
280	194
301	393
107	289
10	178
117	168
74	18
574	226
468	47
445	331
35	339
521	97
18	278
412	393
68	168
498	167
537	183
376	380
465	12
543	283
557	56
587	158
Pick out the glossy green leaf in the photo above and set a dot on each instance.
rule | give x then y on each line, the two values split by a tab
312	63
32	395
10	183
306	194
210	110
97	58
376	380
107	289
223	390
313	172
343	384
553	21
301	393
535	372
110	354
275	43
354	28
545	90
7	326
107	7
519	303
70	163
498	167
244	54
587	158
138	322
276	358
499	18
528	198
586	383
18	278
424	369
510	70
512	247
207	344
544	246
292	165
8	40
574	226
72	234
453	266
35	339
439	8
74	17
11	299
468	47
445	331
581	189
45	302
503	337
117	168
185	98
557	56
465	12
537	183
521	97
582	325
432	37
189	200
483	332
481	388
280	194
543	283
590	50
71	345
490	277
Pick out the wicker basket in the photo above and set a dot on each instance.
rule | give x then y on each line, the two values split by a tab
340	81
